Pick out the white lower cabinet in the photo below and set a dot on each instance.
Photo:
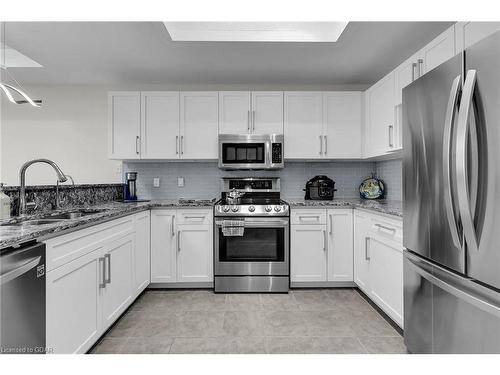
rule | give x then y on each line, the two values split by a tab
103	269
321	245
181	246
378	261
308	252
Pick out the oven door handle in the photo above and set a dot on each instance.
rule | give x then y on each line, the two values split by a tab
259	223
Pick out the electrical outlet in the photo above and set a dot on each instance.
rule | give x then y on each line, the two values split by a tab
180	181
156	181
119	170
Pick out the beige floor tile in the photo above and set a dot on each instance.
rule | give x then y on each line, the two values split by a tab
384	345
147	345
109	346
219	345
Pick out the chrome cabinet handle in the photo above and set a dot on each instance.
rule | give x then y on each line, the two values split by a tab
309	217
420	67
380	226
320	144
137	145
253	121
413	68
248	121
461	161
195	217
173	225
326	145
177	145
391	135
367	241
448	129
102	276
178	240
182	144
324	240
331	224
108	258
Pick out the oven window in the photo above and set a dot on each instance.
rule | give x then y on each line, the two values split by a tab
243	153
256	245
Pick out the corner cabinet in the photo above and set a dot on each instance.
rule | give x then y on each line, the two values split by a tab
378	261
162	125
321	246
93	275
182	246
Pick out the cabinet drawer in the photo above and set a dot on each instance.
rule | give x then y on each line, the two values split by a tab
194	216
387	228
63	249
309	216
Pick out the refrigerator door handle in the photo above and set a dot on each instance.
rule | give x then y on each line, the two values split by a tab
461	162
449	283
448	128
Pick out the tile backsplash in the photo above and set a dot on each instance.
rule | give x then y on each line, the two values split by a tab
202	179
391	172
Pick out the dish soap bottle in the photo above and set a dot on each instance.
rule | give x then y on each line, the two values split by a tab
4	205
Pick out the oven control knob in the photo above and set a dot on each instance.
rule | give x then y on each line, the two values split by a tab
234	208
268	208
277	208
251	208
225	208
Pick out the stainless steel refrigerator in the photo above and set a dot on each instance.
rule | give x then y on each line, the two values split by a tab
451	184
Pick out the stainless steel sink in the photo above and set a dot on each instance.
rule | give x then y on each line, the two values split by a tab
75	214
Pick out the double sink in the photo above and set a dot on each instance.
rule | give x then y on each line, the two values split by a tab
51	218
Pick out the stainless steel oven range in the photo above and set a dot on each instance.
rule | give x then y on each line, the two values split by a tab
252	237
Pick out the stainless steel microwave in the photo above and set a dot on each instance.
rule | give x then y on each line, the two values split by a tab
251	151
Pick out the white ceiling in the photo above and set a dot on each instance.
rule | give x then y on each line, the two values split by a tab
135	53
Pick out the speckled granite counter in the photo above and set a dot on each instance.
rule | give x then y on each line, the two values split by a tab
15	234
383	206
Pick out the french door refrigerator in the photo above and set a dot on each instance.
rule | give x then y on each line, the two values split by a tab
451	193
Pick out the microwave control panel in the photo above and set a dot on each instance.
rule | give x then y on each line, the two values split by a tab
277	153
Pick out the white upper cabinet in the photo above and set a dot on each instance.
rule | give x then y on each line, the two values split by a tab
234	112
342	118
469	33
267	112
380	118
303	125
406	73
439	50
199	120
124	125
160	125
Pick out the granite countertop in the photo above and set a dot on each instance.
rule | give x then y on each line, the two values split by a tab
389	207
11	235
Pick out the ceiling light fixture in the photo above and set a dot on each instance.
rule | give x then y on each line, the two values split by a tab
9	89
255	31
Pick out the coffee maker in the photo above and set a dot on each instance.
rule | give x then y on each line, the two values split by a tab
130	186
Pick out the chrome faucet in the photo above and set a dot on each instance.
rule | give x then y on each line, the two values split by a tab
58	198
22	177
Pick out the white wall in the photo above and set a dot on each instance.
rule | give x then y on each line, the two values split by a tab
70	129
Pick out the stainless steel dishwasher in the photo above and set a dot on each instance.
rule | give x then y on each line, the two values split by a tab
22	299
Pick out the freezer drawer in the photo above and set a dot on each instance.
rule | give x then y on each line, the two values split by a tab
448	313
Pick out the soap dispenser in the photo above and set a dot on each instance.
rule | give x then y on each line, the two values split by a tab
4	204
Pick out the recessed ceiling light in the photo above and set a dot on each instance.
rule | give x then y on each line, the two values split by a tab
255	31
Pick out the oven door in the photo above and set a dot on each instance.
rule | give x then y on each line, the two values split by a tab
263	250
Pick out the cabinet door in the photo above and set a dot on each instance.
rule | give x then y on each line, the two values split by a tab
303	125
163	246
267	112
340	245
380	130
386	276
308	245
405	74
117	294
342	122
234	112
141	260
124	124
199	125
469	33
361	256
159	125
73	309
194	253
439	50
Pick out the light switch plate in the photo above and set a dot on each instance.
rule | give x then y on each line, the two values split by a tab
180	181
156	181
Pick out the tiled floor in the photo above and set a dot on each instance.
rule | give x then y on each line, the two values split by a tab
303	321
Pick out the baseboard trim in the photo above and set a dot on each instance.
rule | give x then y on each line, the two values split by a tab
200	285
323	284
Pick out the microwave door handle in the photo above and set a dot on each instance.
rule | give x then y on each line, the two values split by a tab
461	162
